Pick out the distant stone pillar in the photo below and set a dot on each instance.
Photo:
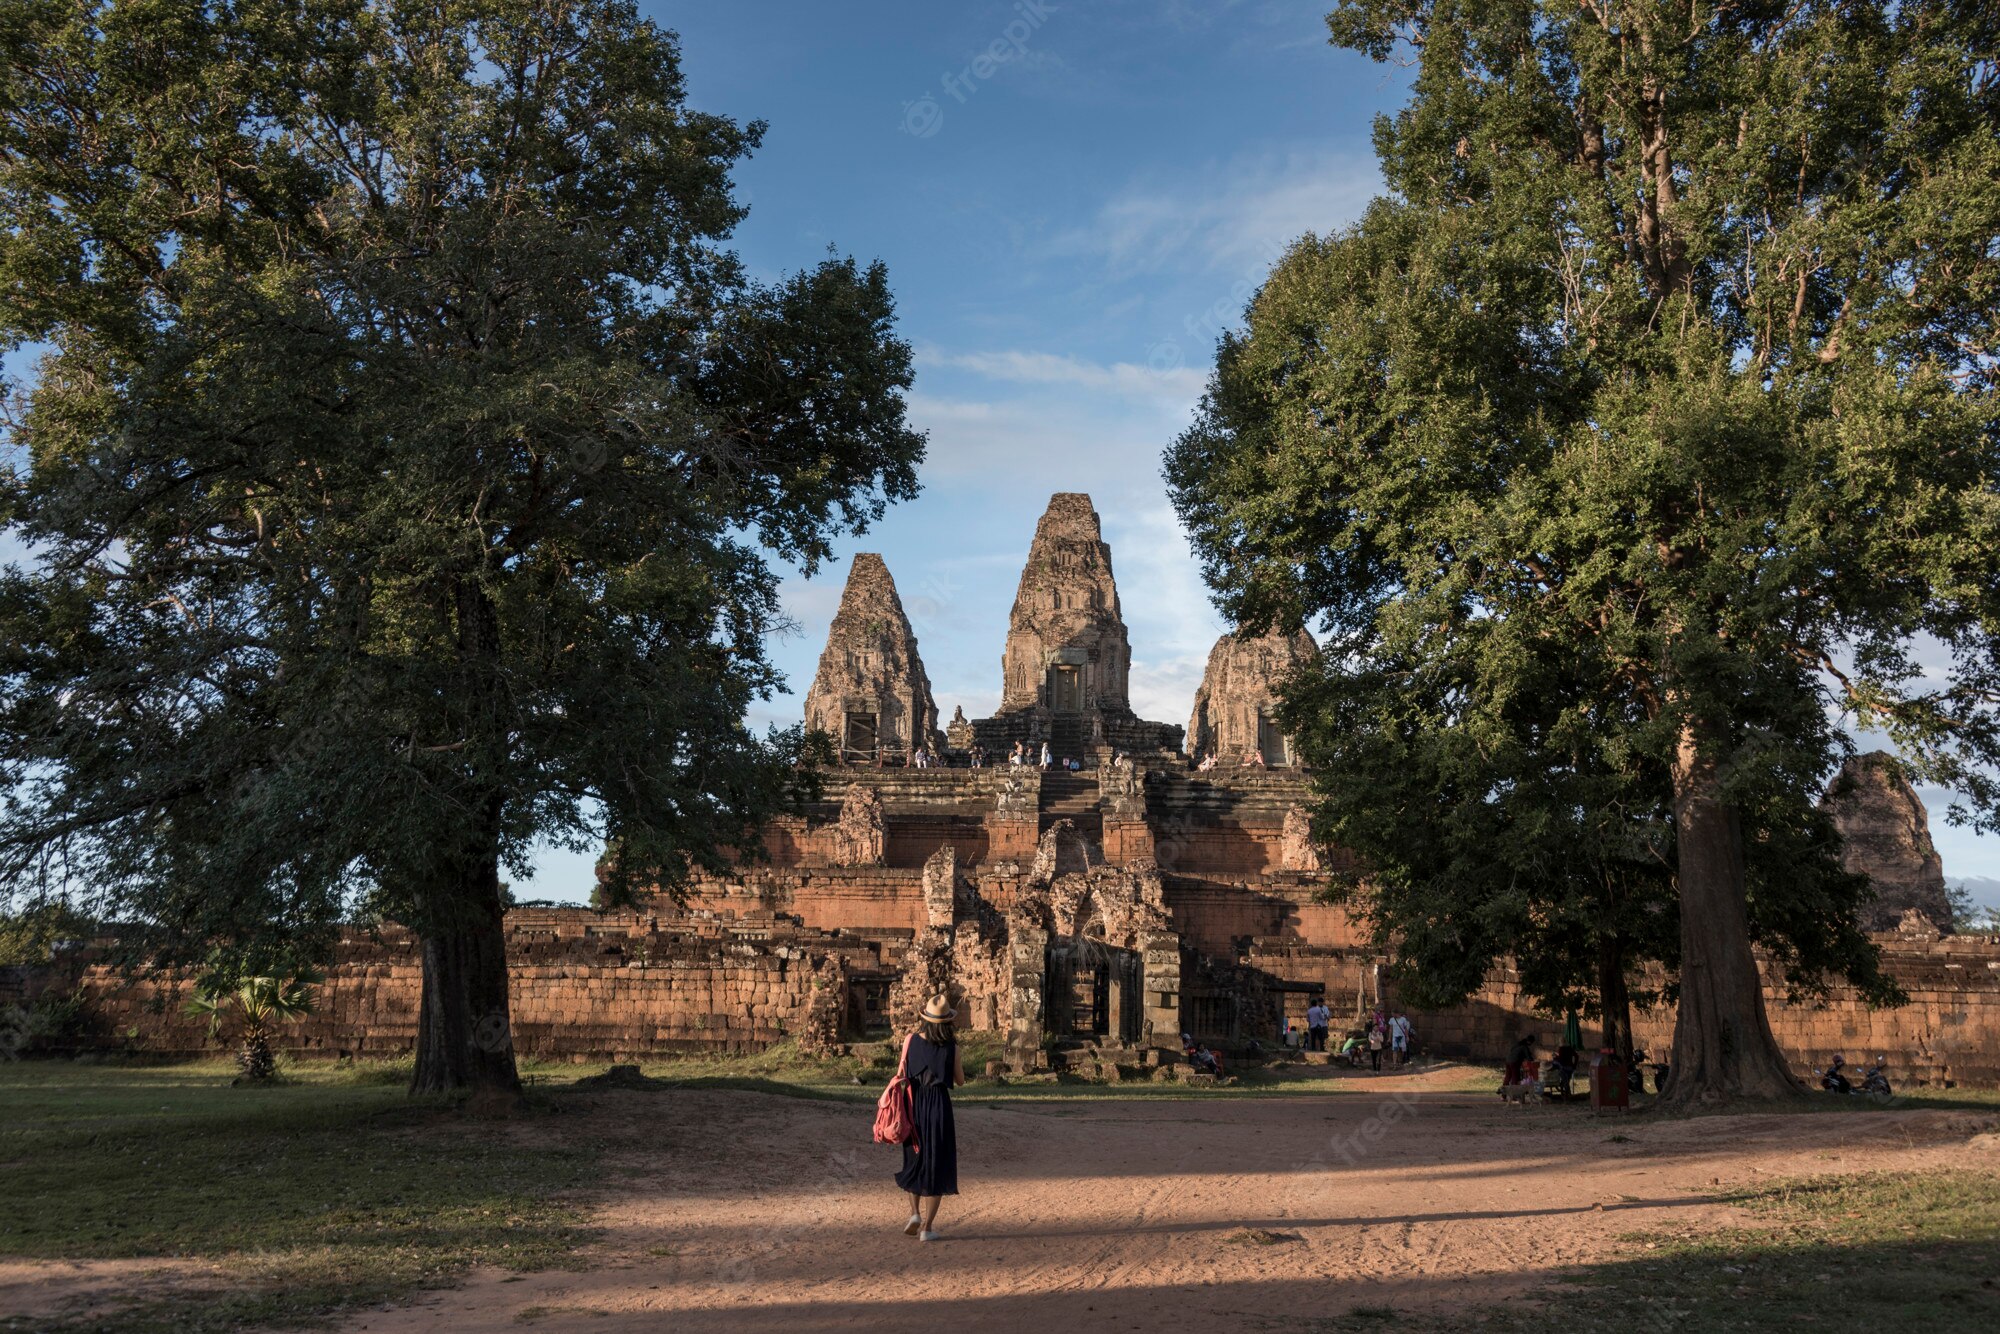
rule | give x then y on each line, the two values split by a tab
1121	788
1014	829
927	971
1160	989
941	888
1028	947
1297	850
857	838
1114	999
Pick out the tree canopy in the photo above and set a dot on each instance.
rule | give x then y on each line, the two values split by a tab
1654	404
404	463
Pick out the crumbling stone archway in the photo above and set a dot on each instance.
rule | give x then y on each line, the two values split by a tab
1094	954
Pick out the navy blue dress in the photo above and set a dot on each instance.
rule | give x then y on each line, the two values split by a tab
931	1166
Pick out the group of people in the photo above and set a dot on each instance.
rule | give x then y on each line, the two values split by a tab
1557	1077
1204	763
1025	754
1385	1031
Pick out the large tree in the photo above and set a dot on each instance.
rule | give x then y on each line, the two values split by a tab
404	458
1671	352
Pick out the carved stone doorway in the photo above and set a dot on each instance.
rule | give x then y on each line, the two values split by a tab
860	744
1094	987
1066	688
1271	742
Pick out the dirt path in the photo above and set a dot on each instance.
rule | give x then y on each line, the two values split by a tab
750	1211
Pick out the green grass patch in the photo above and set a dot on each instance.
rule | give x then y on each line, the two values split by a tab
329	1190
1880	1251
1883	1250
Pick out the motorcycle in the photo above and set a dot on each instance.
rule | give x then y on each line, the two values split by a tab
1874	1084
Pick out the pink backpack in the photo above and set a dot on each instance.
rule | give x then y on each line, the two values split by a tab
893	1122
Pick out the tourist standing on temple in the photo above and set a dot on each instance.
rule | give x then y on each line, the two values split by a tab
930	1161
1399	1037
1048	756
1376	1039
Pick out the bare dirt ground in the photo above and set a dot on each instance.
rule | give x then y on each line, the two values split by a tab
748	1211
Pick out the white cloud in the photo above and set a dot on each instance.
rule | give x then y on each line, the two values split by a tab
1181	386
1171	621
1235	217
1020	448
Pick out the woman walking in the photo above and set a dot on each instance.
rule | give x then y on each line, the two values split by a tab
930	1165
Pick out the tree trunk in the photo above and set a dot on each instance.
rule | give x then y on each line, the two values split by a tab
465	1033
255	1058
1723	1047
1614	1001
465	1037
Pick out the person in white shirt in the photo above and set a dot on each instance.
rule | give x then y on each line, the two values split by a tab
1317	1020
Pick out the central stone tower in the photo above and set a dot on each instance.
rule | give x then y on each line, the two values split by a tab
1067	650
1067	667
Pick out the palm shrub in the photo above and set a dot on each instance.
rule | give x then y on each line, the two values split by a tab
258	1004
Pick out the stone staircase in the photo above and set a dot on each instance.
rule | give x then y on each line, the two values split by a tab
1072	797
1069	736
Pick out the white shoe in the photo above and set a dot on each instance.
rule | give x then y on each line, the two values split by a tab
914	1226
929	1236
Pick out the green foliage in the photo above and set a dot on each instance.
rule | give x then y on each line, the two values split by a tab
1643	430
404	462
30	936
51	1019
255	1005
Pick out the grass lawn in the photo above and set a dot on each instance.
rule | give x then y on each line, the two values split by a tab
1874	1251
269	1205
781	1070
1879	1251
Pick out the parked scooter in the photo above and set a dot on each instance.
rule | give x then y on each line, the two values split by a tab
1874	1084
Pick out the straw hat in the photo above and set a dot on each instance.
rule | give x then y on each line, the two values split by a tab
938	1009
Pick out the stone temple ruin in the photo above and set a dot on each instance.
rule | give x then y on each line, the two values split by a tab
1235	710
1088	918
870	696
1090	915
